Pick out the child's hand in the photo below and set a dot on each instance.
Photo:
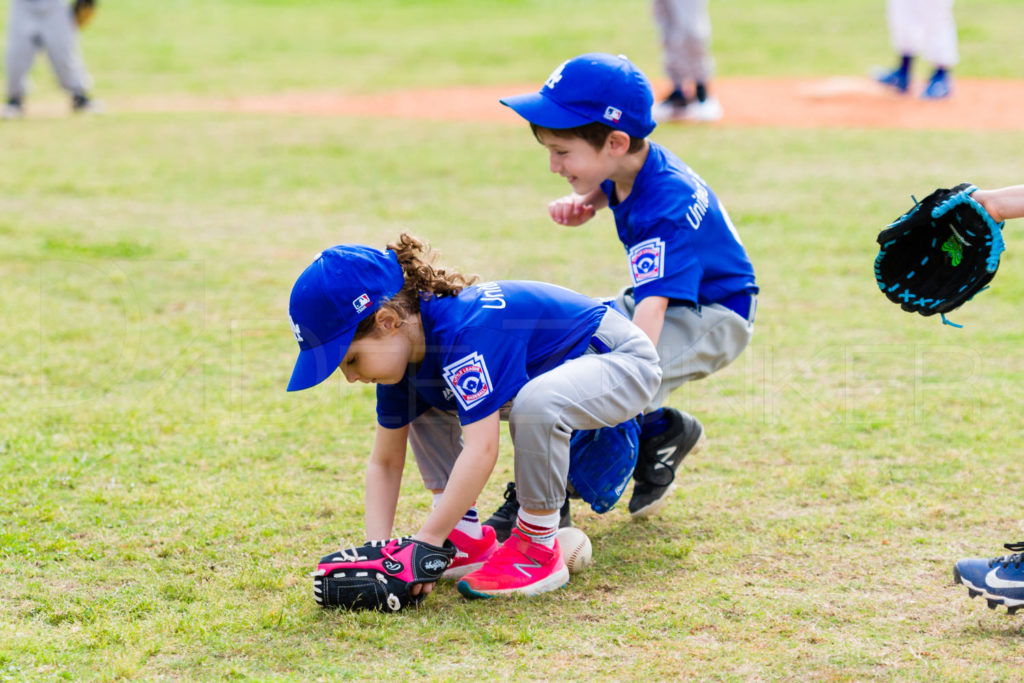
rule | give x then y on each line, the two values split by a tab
1002	204
571	210
989	203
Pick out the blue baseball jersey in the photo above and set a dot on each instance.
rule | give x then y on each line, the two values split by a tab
680	241
485	344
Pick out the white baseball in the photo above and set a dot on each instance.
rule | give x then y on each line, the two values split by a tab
576	549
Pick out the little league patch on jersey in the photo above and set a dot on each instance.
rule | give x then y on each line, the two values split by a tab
647	261
469	379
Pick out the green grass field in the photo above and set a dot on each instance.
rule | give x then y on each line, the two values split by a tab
163	499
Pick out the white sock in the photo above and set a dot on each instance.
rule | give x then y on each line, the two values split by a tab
539	528
470	522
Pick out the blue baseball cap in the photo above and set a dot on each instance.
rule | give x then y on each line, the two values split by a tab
595	87
342	287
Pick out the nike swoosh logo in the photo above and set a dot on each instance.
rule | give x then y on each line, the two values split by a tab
991	579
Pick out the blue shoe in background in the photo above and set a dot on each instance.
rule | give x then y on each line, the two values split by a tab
939	86
898	79
999	580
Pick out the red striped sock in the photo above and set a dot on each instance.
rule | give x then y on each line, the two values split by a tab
539	528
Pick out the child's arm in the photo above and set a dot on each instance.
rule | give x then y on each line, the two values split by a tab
649	316
472	469
577	209
469	475
1002	204
383	481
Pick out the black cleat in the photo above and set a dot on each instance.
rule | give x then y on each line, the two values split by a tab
659	459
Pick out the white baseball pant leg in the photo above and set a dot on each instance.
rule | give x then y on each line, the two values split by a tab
924	28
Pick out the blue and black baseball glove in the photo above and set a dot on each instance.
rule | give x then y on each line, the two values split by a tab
601	463
938	255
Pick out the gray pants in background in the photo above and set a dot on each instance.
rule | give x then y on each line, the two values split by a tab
45	24
685	27
592	391
694	342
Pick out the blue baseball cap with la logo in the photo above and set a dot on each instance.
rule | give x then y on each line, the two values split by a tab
342	287
595	87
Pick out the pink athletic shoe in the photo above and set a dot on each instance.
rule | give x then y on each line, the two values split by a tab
518	567
470	553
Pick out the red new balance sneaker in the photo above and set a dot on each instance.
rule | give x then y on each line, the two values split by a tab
518	567
470	553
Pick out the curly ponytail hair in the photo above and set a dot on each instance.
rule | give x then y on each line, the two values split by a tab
422	280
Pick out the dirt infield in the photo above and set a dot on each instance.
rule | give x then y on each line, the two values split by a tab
982	104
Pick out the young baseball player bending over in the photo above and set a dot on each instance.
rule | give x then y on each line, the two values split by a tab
693	289
450	359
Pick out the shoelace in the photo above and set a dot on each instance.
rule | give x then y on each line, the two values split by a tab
397	542
510	507
351	555
1016	559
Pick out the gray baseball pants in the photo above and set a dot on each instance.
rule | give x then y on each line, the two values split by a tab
695	342
685	27
591	391
46	24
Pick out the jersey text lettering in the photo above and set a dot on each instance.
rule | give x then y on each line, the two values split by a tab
492	297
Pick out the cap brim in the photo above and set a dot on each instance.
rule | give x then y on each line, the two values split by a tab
316	364
544	112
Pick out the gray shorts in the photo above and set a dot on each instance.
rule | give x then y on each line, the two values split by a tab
695	342
597	389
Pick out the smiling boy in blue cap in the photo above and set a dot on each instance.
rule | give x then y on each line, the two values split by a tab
693	289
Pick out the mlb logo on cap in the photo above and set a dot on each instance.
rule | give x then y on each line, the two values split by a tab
612	114
362	302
